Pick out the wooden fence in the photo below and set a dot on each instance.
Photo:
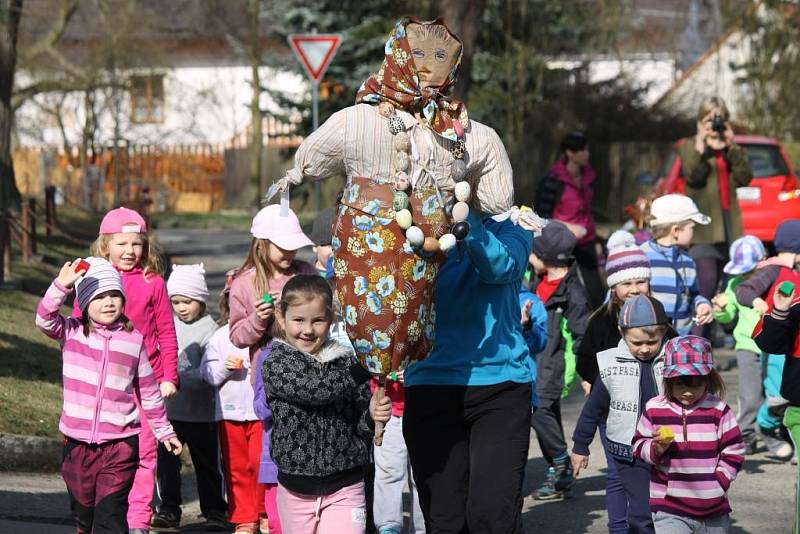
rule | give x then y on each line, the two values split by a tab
175	178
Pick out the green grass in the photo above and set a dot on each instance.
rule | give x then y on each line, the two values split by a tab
30	363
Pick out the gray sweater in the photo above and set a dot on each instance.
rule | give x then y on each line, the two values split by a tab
196	400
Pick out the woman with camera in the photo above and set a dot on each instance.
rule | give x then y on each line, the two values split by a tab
714	166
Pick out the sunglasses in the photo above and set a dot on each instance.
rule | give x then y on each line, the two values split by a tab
691	381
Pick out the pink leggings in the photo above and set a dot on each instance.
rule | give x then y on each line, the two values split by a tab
271	506
144	481
343	512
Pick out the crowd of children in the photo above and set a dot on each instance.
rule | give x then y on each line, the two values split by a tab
278	414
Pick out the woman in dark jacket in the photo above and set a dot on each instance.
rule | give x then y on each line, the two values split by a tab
714	166
565	194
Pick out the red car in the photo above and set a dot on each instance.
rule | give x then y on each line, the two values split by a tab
771	198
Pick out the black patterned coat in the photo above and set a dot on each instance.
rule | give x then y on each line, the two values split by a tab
320	406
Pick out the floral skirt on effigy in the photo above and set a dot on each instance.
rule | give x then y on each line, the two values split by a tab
384	287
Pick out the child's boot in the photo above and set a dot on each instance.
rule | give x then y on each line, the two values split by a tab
564	478
547	491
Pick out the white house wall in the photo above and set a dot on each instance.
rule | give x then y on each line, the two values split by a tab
202	105
712	75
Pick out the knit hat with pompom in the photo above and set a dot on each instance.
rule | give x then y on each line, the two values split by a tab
626	261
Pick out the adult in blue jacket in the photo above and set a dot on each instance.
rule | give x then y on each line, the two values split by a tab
467	409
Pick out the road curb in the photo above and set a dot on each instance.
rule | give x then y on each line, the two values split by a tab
29	453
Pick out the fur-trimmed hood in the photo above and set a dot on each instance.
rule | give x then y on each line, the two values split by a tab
331	350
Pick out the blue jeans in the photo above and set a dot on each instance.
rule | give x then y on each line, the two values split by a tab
635	478
616	501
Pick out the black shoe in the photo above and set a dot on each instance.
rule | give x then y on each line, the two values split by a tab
165	519
564	478
548	491
750	446
217	522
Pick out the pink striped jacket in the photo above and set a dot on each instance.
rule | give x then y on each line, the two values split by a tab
101	372
693	475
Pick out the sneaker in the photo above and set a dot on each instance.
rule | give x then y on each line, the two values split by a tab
217	522
165	519
750	446
246	528
784	452
138	531
548	491
388	530
564	479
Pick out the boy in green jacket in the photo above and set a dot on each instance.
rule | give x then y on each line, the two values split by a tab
745	253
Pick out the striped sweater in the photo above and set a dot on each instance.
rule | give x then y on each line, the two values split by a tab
673	281
101	373
693	476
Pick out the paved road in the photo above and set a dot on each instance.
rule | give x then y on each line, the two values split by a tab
761	496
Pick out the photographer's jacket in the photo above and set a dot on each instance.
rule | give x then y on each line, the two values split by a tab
712	196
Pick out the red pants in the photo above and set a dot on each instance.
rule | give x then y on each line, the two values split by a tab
241	454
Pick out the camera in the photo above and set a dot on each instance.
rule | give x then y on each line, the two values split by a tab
718	124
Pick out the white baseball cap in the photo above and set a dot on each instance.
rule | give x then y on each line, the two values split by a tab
673	209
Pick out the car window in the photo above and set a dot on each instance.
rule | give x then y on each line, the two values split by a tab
765	160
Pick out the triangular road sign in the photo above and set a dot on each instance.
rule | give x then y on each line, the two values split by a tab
315	51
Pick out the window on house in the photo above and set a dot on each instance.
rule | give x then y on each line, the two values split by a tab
147	98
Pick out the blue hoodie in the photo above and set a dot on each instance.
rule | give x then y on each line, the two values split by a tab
478	338
536	333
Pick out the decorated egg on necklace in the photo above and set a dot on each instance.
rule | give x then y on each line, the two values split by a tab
460	211
431	244
396	125
463	191
402	142
458	170
460	230
404	220
399	201
446	242
415	236
401	161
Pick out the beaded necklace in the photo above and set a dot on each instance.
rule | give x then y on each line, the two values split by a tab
402	161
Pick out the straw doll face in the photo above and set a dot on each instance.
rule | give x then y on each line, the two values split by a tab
435	52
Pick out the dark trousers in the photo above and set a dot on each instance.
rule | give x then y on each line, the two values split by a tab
636	481
203	444
98	479
546	421
616	500
468	447
586	258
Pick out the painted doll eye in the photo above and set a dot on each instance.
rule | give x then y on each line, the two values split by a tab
418	53
441	54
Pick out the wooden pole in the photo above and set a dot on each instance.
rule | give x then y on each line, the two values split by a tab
25	238
5	245
32	223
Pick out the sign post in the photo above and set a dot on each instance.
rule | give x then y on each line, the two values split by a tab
315	52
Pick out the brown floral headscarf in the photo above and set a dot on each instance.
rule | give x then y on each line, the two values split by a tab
397	82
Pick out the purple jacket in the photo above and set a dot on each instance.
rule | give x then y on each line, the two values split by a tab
268	472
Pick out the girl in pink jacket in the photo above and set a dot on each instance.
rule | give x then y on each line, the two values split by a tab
269	265
107	379
124	242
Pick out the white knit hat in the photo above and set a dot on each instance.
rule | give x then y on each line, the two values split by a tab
99	278
625	260
188	281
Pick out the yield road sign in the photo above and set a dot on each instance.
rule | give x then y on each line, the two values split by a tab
315	51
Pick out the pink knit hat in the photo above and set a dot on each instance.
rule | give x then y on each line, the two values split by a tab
99	278
122	220
284	231
188	281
